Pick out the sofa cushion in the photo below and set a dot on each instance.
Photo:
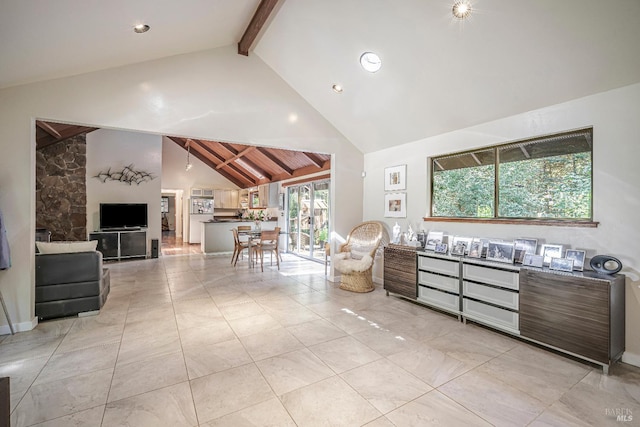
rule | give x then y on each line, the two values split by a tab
66	247
54	269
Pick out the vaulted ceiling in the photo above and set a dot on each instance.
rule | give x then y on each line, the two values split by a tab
244	165
438	74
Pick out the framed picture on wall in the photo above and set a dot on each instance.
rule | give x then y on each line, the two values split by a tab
395	178
395	205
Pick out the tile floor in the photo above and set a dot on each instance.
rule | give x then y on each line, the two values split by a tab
191	341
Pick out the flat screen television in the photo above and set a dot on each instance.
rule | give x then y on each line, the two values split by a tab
123	215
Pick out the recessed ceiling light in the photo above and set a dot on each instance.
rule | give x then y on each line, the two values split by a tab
141	28
370	62
337	88
461	9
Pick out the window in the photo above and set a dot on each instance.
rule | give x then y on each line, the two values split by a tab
547	178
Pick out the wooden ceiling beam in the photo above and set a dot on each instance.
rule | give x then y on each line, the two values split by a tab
307	170
48	129
248	162
235	157
275	160
255	26
315	159
252	180
182	142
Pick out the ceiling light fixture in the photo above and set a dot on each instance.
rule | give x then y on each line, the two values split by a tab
337	88
141	28
461	9
189	164
370	62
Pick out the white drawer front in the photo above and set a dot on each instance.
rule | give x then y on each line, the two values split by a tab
451	284
490	314
439	299
443	266
507	279
496	296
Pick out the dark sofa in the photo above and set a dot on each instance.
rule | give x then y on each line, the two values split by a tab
70	283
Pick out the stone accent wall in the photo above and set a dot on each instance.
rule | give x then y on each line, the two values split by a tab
61	189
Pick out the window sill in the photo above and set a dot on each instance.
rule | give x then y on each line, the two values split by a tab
547	222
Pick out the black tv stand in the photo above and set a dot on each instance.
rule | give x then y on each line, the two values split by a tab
118	243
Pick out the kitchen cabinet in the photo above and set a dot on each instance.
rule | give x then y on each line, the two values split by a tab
225	199
202	192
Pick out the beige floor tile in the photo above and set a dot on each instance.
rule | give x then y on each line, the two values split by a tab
434	409
48	329
385	385
315	332
145	347
254	324
217	331
385	342
59	398
21	375
87	418
344	353
229	391
150	374
330	402
270	343
33	349
266	414
430	365
170	406
294	316
290	371
493	400
623	380
66	365
350	322
380	422
240	310
384	315
209	359
539	373
595	406
90	335
470	352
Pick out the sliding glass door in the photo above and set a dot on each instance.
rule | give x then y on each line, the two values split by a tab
308	219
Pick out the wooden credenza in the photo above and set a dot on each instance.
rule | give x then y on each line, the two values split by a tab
581	313
400	264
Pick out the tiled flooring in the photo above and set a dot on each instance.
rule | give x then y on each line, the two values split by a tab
191	341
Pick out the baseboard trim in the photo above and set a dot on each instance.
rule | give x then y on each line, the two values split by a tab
19	327
631	358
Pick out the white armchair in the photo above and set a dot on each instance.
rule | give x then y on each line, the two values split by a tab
354	259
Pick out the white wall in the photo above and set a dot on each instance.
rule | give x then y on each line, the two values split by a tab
616	194
112	149
215	94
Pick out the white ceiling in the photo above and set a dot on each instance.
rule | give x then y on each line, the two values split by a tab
438	74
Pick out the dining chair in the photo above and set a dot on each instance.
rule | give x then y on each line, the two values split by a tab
269	243
239	246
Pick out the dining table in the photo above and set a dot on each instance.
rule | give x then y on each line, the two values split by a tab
254	238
